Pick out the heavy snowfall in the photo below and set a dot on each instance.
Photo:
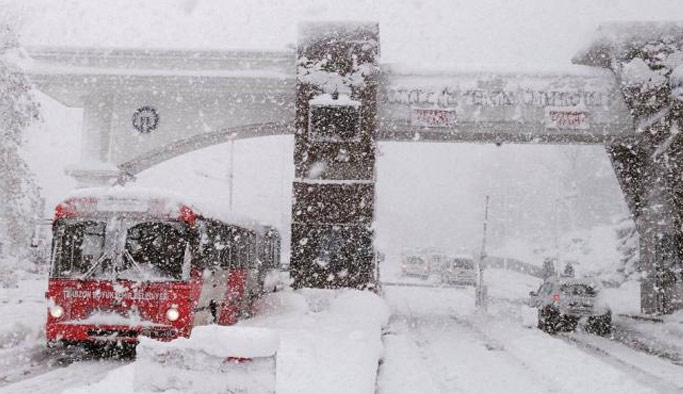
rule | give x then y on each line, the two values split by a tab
501	212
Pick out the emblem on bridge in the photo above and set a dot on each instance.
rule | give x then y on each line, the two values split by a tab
145	119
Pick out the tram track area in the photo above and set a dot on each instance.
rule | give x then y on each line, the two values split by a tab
659	374
454	356
24	363
656	372
35	365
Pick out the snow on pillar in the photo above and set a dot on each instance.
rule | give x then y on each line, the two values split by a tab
95	168
334	155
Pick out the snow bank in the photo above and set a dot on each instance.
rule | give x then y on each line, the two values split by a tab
218	341
24	312
215	359
330	340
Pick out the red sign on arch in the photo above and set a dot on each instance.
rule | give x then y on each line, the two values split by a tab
433	117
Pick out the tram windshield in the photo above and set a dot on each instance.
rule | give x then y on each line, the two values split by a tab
79	245
121	249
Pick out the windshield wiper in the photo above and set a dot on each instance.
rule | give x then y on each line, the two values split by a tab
90	271
135	264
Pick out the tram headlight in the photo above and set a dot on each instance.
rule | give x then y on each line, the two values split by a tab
56	311
172	314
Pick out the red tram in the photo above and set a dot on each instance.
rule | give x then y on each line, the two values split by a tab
138	262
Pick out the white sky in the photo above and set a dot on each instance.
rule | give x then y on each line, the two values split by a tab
436	32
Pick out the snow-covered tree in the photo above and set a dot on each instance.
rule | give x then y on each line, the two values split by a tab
19	194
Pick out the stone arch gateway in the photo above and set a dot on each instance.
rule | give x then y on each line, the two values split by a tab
333	94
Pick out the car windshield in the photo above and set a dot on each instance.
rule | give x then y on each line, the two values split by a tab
415	261
463	264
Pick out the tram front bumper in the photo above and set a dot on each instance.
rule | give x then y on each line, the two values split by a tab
67	332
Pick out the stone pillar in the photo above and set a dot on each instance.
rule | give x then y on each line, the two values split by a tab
644	57
334	155
95	168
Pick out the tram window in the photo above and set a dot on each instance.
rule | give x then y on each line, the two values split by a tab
275	251
79	246
224	247
243	243
215	244
269	250
157	250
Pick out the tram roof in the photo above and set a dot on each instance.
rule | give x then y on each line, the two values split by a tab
201	207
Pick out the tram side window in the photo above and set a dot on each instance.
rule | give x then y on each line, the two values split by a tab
79	245
215	244
275	251
270	250
243	244
157	250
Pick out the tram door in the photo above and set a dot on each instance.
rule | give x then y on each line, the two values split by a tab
215	250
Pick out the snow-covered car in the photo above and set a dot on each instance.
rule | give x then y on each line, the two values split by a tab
459	270
561	302
415	266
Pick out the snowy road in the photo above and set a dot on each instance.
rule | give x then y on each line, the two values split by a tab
57	380
656	372
454	359
26	366
437	343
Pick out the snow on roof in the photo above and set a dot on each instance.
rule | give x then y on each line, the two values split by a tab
313	30
187	63
636	72
618	38
579	281
207	208
221	341
625	33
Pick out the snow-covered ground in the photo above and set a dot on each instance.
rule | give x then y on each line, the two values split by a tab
438	335
330	342
21	328
431	339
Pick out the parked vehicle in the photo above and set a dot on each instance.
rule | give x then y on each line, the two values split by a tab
415	266
459	270
129	263
435	259
562	301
